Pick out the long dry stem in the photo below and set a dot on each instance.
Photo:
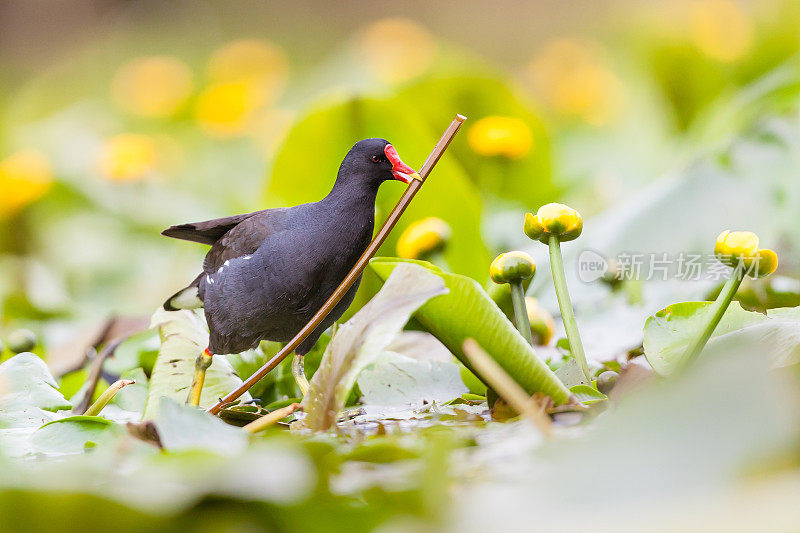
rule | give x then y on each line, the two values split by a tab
267	420
505	386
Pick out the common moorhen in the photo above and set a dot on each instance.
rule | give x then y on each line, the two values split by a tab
268	272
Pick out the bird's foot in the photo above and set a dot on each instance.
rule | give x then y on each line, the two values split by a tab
201	364
299	373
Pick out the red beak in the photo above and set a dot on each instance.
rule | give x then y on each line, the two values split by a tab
400	170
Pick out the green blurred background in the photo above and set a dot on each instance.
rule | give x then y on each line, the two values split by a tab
120	118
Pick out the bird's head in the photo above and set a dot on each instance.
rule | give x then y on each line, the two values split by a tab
376	161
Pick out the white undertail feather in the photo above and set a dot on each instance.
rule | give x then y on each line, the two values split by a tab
188	298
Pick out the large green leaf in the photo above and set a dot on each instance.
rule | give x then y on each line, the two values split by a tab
467	311
360	340
183	338
305	168
28	392
668	333
73	434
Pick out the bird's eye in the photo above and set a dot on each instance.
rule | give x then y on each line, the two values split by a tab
375	159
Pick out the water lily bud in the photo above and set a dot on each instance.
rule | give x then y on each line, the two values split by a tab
542	324
734	247
553	219
423	238
512	267
21	340
606	381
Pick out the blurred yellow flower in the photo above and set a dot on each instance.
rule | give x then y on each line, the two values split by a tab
260	63
396	49
128	157
720	29
570	77
25	177
542	323
226	109
423	237
503	136
154	86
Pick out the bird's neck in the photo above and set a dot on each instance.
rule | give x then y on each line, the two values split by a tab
353	193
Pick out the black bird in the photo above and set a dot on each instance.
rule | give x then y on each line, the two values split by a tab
268	272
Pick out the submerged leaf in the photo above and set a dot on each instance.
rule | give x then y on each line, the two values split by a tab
183	338
361	339
395	379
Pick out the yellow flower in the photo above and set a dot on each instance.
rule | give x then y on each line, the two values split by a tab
512	267
155	86
259	63
226	109
128	157
569	76
542	323
733	247
720	29
396	49
25	177
423	238
503	136
553	219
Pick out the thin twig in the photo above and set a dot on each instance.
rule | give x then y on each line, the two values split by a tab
505	386
267	420
357	269
107	396
94	374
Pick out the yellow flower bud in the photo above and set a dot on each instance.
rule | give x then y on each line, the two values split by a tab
423	238
553	219
25	177
734	247
128	157
512	267
542	323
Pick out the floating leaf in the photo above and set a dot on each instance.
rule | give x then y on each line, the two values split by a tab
28	392
668	333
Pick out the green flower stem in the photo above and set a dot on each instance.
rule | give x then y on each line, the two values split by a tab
107	395
520	310
717	310
564	303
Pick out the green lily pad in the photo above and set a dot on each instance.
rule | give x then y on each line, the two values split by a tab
668	333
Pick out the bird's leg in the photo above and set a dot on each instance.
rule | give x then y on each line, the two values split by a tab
299	373
201	364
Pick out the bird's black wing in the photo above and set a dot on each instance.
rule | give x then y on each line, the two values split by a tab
206	232
244	238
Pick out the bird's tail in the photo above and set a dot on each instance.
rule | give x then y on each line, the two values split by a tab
186	298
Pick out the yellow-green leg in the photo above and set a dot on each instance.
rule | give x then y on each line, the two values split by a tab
201	364
299	373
